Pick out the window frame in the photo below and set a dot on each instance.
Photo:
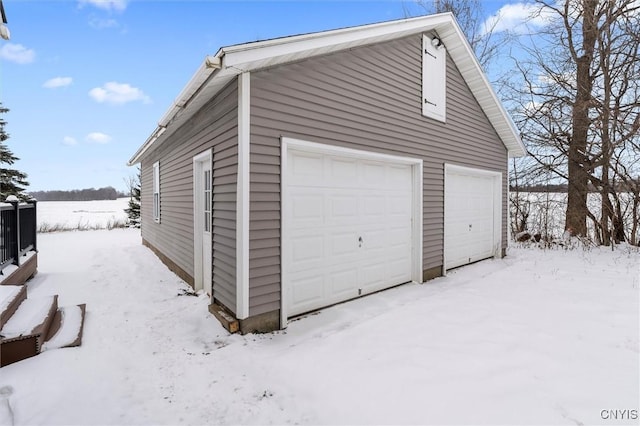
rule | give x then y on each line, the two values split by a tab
155	199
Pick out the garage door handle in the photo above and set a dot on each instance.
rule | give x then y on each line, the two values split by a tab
359	241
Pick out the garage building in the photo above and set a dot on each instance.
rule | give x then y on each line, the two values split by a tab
295	173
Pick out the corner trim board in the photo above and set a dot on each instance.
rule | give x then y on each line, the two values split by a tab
242	196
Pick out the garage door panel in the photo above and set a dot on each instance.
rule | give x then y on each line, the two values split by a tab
372	238
308	291
397	271
470	208
308	168
345	199
343	209
373	278
373	175
307	247
398	235
342	243
341	171
372	208
341	283
307	209
399	205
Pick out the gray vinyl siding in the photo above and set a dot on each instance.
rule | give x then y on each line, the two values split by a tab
367	98
214	126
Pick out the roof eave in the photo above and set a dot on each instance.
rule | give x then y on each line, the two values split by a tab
233	60
198	80
254	55
463	55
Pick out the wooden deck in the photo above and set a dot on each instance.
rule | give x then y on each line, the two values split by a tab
21	274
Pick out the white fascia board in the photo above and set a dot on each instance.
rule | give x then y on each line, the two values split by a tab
242	197
251	56
136	157
197	81
233	60
199	78
463	55
243	56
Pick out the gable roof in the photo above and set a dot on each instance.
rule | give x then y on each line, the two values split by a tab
218	70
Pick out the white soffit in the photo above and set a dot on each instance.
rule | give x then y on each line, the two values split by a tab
217	71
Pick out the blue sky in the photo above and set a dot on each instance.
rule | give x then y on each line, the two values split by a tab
86	81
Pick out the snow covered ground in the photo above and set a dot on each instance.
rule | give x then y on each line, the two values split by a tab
81	214
540	337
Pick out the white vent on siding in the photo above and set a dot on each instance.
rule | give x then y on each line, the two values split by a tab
434	78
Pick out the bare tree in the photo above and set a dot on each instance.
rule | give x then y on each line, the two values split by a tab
617	115
578	102
471	18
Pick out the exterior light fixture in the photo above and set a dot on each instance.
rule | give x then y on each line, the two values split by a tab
436	42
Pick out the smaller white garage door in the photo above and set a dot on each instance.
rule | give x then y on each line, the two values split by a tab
473	201
349	226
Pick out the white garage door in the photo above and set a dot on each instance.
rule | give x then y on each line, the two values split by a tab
349	228
472	215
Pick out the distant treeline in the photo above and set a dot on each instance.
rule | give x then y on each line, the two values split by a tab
562	187
89	194
540	188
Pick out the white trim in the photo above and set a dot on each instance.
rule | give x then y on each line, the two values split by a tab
497	205
508	207
243	56
252	56
434	79
242	196
288	144
155	203
284	230
306	146
417	225
198	162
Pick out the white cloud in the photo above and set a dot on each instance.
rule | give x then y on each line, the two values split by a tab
518	17
101	24
118	94
17	53
97	137
109	5
56	82
69	141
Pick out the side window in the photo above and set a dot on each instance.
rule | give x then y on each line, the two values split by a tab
434	78
156	191
207	201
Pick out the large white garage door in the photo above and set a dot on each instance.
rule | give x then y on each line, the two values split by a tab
349	228
472	215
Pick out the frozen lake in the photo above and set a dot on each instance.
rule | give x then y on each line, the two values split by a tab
99	214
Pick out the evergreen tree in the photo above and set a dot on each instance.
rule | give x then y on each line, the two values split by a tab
12	182
133	211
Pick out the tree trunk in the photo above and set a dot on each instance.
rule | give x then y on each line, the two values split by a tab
636	218
618	222
578	177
